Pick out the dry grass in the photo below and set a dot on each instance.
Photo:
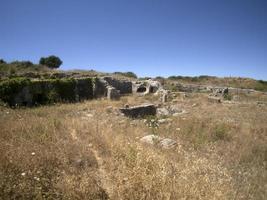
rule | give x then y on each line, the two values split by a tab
221	152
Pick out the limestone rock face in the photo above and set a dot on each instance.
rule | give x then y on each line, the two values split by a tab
139	111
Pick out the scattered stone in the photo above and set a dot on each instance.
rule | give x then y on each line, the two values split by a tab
164	98
220	92
113	94
162	121
109	109
89	115
165	143
177	114
139	111
150	139
163	112
214	99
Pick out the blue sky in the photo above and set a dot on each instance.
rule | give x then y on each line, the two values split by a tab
148	37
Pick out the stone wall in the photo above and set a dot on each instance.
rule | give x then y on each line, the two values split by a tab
124	86
26	92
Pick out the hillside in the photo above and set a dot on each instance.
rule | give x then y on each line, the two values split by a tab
30	70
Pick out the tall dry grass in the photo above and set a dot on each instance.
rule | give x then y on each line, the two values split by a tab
221	152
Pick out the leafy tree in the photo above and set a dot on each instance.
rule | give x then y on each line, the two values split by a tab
50	61
2	61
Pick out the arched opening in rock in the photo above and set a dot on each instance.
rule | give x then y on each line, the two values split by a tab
141	89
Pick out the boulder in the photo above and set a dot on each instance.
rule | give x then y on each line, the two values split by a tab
139	111
163	112
150	139
165	143
213	99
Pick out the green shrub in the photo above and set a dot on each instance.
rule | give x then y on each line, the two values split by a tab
10	88
127	74
220	132
2	61
50	61
65	89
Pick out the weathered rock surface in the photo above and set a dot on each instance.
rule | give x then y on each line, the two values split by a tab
150	139
139	111
220	92
168	143
113	94
213	99
165	143
170	110
146	87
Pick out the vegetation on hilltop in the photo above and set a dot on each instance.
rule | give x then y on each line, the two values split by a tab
236	82
20	67
51	61
46	66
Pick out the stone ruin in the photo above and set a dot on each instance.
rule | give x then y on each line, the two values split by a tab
146	87
139	111
218	95
29	92
113	93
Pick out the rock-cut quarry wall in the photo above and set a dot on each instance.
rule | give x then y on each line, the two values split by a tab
30	92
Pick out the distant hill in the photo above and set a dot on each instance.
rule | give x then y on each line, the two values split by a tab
236	82
30	70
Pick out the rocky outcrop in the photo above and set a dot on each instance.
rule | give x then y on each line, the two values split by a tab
139	111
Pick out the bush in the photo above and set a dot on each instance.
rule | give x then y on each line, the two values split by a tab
22	64
50	61
10	88
2	61
127	74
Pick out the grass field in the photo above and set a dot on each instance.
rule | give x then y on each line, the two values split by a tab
89	151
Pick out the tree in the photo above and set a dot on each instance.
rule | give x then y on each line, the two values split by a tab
2	61
50	61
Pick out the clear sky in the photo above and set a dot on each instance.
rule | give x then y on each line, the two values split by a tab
148	37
